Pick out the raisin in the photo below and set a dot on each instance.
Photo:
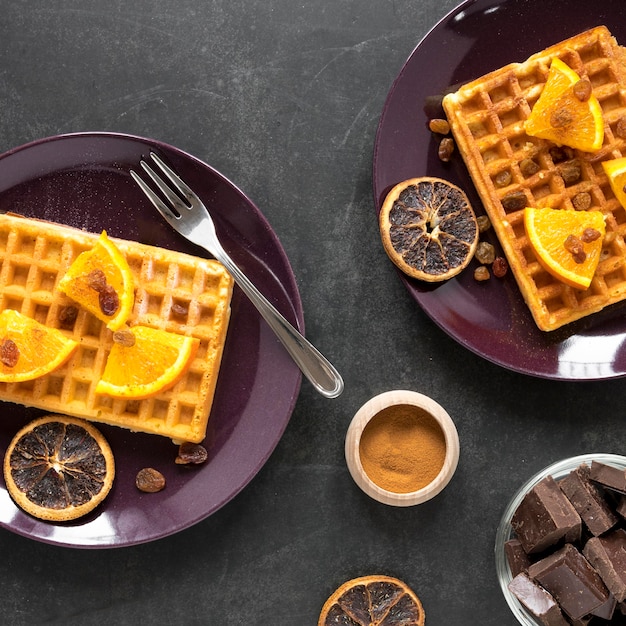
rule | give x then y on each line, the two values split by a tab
570	171
439	126
485	253
179	310
582	89
68	315
620	127
575	247
446	148
514	201
191	454
581	201
9	352
590	234
124	338
499	267
97	280
502	179
109	300
528	167
149	480
560	153
484	223
481	273
561	118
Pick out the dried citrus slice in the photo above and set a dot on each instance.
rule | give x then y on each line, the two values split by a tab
375	600
428	228
29	349
101	281
567	243
567	112
58	468
615	169
144	361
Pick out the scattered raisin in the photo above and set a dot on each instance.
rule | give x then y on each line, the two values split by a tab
484	223
502	179
109	300
575	247
9	352
97	280
581	201
561	118
560	153
439	126
500	267
570	171
590	234
68	315
620	127
514	201
582	89
485	253
150	480
528	167
179	310
191	454
124	338
446	148
481	273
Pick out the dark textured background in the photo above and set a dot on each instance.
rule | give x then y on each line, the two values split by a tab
283	98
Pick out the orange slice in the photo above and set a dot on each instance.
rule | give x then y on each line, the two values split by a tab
567	243
374	600
29	349
58	468
428	228
145	361
101	281
616	171
566	112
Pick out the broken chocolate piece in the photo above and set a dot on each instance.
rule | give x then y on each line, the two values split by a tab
516	557
608	476
568	576
537	601
607	554
544	517
588	500
606	610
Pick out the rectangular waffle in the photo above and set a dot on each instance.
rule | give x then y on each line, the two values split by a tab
174	292
487	120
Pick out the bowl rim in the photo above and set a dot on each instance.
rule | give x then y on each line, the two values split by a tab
372	408
504	531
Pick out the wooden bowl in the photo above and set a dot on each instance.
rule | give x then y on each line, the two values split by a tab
372	408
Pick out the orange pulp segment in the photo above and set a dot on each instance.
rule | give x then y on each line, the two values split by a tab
566	112
567	243
29	349
615	169
145	361
101	281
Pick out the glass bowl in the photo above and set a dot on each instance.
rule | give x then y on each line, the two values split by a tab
557	470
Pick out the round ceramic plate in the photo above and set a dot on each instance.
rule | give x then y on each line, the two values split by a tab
83	180
491	319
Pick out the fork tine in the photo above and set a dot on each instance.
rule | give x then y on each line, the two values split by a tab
160	206
174	199
176	180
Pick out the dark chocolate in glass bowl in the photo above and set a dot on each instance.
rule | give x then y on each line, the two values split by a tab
557	470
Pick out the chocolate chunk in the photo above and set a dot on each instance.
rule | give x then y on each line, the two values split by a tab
544	517
537	600
606	610
588	501
608	555
568	576
516	557
608	476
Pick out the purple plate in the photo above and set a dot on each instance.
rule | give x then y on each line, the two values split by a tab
491	319
83	180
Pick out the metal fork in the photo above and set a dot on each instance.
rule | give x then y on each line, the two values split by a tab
192	220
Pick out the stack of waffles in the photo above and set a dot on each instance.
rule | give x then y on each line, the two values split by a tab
487	119
174	292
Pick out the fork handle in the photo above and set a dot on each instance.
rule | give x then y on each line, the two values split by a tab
312	363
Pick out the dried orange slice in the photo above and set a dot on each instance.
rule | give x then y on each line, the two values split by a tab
144	361
615	169
428	228
101	281
374	600
29	349
567	243
58	468
567	112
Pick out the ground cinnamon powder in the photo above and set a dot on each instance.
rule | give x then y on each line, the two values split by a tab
402	448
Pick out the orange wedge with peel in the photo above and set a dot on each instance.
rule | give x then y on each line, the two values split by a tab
567	243
28	349
567	112
615	169
145	361
101	281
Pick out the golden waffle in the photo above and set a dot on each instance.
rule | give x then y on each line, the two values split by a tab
174	291
487	119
